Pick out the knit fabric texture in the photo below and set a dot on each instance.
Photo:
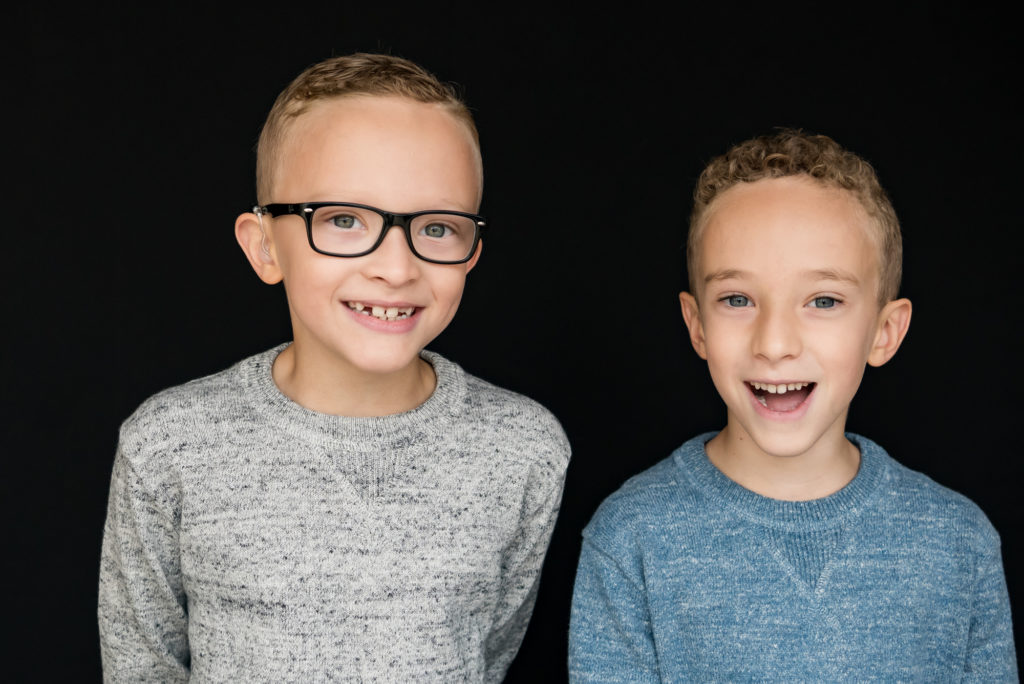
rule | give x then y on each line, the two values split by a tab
249	539
687	576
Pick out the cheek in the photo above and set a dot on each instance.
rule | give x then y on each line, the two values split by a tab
844	355
313	282
725	342
447	288
724	354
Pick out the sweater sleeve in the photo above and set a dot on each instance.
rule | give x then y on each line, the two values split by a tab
143	619
520	572
990	650
610	636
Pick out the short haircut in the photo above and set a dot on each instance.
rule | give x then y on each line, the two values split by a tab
356	74
792	152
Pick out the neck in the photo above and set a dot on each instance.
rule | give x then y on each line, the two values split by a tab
324	386
829	465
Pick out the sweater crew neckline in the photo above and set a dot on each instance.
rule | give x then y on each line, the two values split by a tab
692	459
358	434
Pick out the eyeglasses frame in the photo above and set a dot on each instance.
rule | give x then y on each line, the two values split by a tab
391	220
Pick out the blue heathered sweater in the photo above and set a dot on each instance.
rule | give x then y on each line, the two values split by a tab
687	576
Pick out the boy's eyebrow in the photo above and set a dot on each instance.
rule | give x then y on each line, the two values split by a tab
724	274
833	274
814	274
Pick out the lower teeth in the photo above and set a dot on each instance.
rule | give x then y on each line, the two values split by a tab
385	318
368	312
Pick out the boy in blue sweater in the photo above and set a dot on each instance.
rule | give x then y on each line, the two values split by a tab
783	548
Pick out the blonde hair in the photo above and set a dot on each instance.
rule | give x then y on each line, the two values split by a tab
791	152
356	74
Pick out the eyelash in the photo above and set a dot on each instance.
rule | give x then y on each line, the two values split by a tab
835	301
728	297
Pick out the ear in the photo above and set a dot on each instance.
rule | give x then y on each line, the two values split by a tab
258	247
691	314
476	256
893	322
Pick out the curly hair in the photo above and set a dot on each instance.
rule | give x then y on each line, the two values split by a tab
356	74
792	152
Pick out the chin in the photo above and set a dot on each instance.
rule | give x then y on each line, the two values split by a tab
384	366
782	444
782	448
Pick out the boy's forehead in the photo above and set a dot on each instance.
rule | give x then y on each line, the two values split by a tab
375	131
366	117
792	224
361	113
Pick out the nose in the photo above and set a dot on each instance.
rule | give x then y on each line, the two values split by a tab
776	335
393	261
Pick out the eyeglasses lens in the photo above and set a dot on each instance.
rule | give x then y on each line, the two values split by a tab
349	231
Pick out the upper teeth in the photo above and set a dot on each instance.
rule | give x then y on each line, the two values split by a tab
388	313
780	388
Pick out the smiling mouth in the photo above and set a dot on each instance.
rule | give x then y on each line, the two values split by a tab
781	397
384	313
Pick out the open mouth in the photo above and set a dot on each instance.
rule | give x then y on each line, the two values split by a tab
781	397
384	313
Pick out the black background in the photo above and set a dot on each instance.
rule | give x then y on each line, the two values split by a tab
132	153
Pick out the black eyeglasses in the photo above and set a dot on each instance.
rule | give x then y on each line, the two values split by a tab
343	229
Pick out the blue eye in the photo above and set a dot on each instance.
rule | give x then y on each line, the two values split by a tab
345	222
824	302
436	230
736	300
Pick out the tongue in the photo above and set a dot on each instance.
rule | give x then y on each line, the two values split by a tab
788	401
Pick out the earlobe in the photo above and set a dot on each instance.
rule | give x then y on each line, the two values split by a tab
893	323
476	256
691	314
258	247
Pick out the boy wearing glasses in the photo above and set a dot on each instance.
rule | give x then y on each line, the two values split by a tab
781	548
346	506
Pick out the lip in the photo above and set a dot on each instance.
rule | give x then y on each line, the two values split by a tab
780	416
402	304
401	325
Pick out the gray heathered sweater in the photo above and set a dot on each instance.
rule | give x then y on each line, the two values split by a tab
250	539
